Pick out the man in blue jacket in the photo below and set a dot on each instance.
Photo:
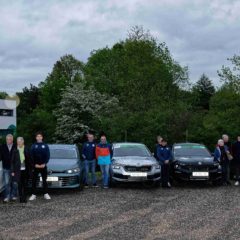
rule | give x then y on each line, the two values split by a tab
89	157
164	156
40	156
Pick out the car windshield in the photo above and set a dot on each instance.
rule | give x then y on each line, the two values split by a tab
63	154
124	150
191	151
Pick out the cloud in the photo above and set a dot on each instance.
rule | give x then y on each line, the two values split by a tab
34	34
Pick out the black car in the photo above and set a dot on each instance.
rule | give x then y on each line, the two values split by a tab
193	161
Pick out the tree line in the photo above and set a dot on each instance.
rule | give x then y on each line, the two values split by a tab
131	91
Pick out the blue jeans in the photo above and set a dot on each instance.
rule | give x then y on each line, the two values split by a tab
105	174
10	186
90	166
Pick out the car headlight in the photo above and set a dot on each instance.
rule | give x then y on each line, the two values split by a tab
74	170
157	166
116	166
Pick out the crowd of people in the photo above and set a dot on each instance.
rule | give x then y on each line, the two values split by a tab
21	163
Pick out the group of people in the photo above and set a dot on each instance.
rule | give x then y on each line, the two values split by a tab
20	163
228	155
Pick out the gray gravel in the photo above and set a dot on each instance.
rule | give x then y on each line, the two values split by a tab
127	212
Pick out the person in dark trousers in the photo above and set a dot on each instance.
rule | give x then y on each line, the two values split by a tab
40	156
164	156
89	157
21	168
159	143
10	191
236	156
221	155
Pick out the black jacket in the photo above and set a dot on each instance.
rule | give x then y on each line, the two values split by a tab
16	163
6	155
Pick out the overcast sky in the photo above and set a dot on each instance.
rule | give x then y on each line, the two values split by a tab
34	34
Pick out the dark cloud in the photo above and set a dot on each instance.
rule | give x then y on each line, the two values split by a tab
34	34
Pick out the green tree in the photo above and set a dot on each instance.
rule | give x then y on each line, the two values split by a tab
203	90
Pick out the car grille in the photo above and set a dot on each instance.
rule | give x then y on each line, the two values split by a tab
62	182
199	168
137	169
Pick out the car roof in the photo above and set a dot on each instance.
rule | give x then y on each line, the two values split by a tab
128	143
189	143
62	146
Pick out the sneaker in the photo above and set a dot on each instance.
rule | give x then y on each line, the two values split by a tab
105	187
95	185
236	183
14	199
86	186
169	185
33	197
6	200
46	196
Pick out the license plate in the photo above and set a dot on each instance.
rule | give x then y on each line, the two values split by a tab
50	179
200	174
140	174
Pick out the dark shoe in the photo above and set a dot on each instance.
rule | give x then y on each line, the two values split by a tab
86	186
224	184
23	200
229	183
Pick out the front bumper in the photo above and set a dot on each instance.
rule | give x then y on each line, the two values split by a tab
121	175
61	180
186	173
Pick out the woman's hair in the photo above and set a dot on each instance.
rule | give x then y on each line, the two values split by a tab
220	141
20	139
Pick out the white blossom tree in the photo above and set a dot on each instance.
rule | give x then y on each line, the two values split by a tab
79	109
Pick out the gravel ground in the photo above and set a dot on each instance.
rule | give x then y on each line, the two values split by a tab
128	212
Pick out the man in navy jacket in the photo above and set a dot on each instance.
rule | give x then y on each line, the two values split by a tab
40	156
164	156
89	157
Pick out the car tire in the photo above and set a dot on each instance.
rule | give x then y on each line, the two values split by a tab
112	183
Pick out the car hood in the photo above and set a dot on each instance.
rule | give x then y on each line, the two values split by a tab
60	165
134	161
195	160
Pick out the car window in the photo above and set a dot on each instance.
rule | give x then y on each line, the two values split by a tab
63	153
191	151
124	150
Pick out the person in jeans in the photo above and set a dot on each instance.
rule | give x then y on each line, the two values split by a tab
21	168
104	155
89	157
164	156
10	191
40	156
236	155
221	155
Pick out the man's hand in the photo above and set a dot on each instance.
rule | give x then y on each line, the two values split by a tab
13	174
37	166
166	162
42	165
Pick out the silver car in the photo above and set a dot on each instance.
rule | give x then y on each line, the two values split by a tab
133	162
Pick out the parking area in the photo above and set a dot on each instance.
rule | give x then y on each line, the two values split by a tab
196	211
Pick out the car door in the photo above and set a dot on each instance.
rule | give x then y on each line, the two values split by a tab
1	177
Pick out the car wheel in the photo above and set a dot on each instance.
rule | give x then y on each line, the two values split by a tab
112	182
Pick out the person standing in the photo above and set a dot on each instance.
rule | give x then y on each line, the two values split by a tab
164	156
10	191
104	155
21	168
158	144
236	156
89	157
221	155
40	156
